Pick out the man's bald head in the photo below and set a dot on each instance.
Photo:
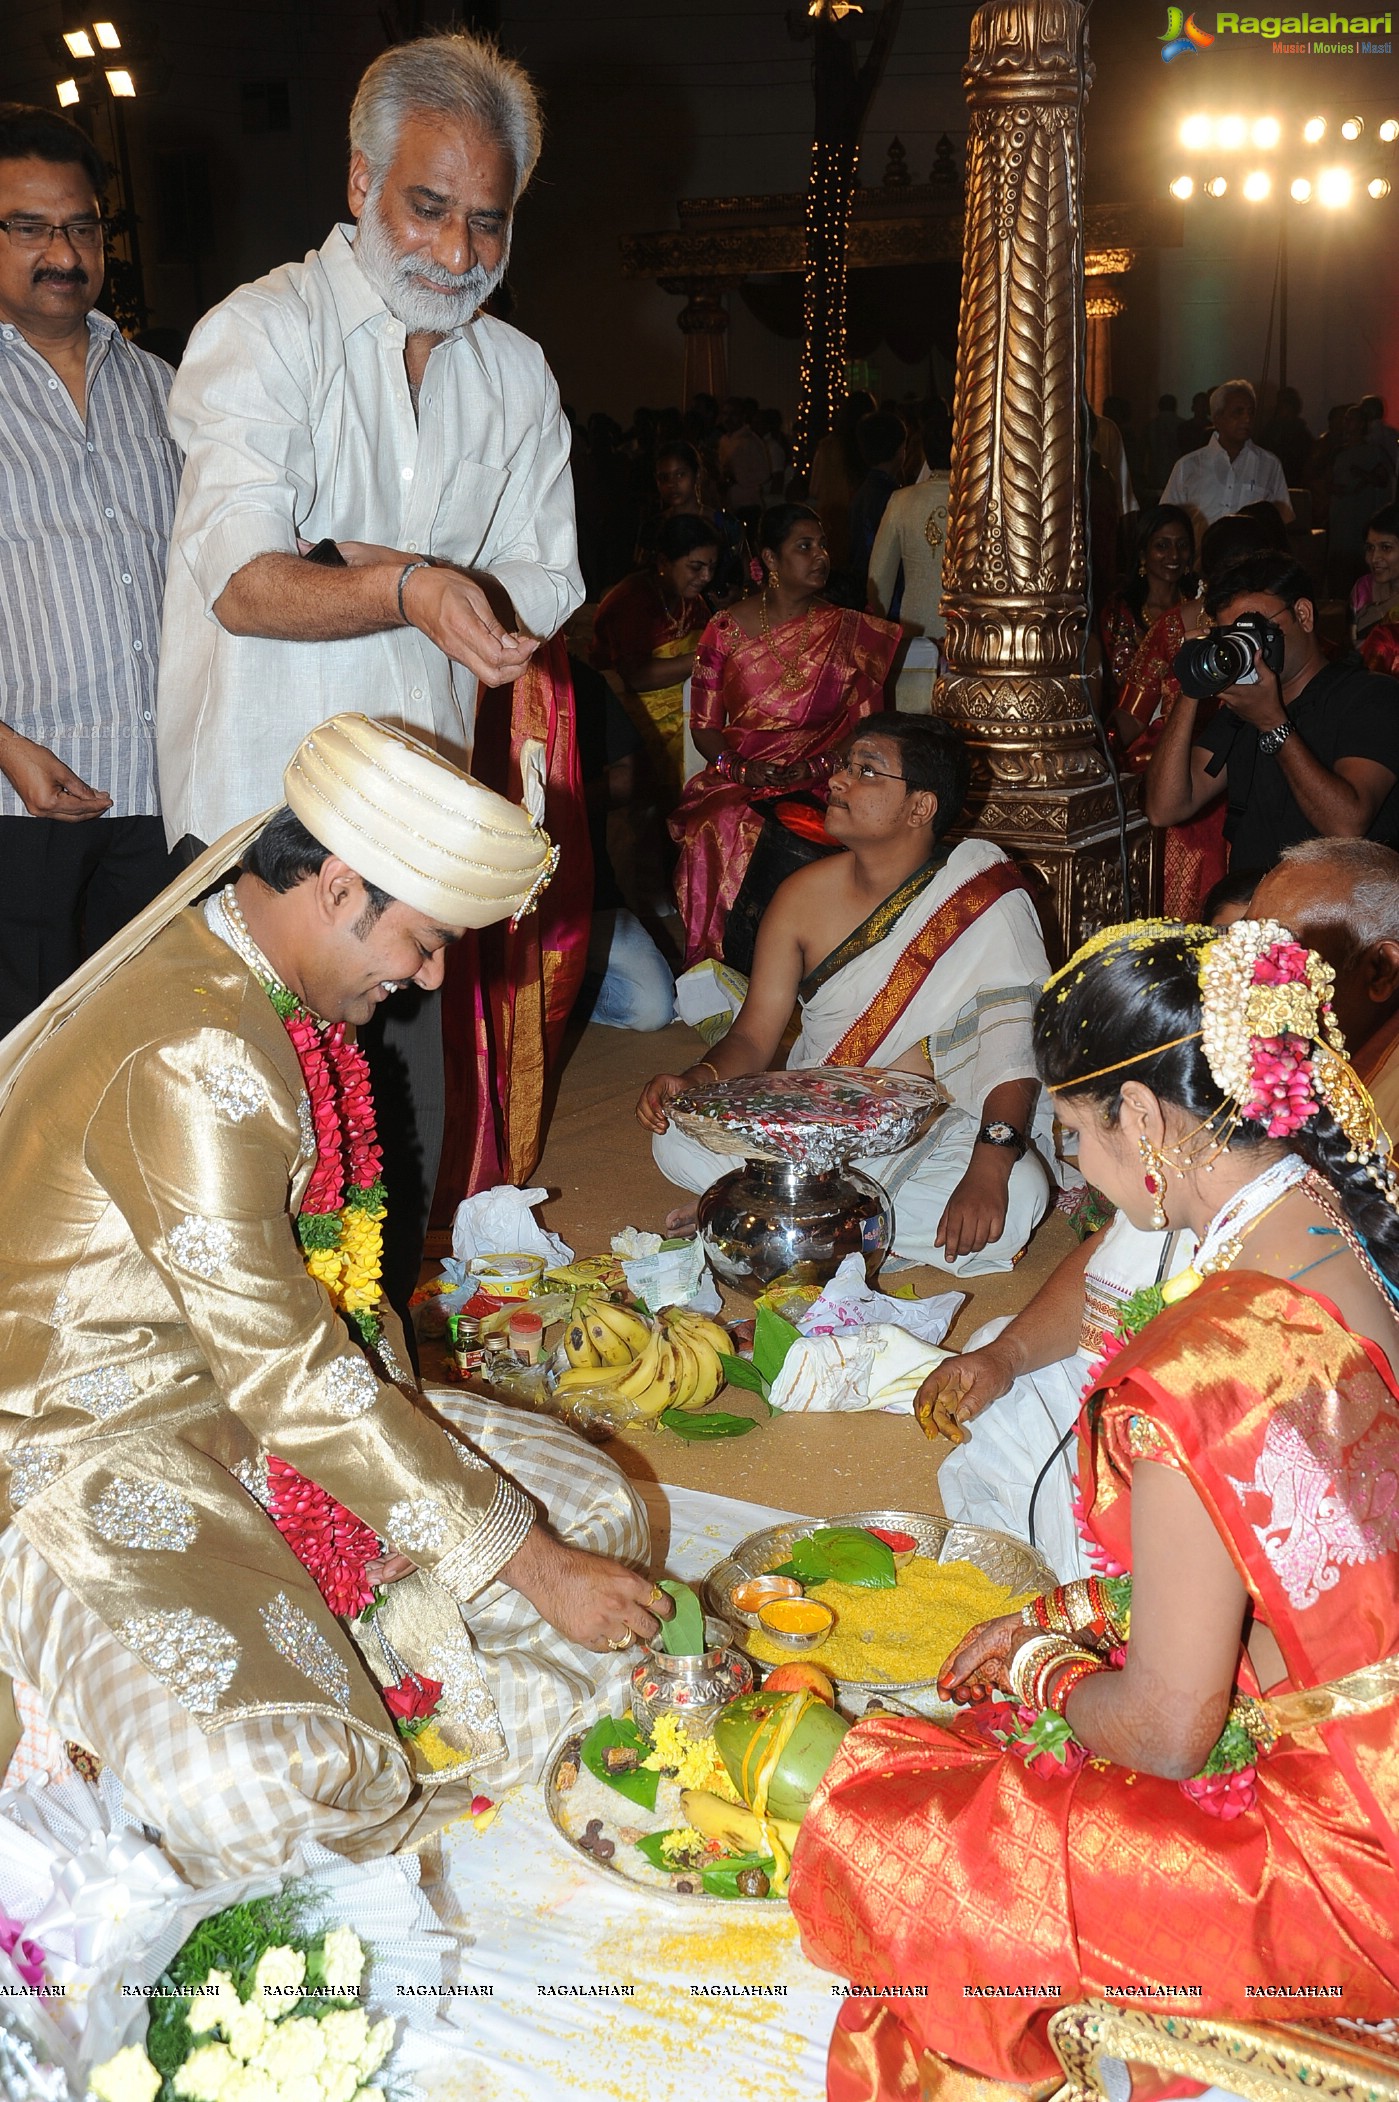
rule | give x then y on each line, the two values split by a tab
1341	898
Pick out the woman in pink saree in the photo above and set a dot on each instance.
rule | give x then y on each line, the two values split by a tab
779	683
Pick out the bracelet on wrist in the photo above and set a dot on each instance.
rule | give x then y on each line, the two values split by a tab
1062	1679
404	574
701	1064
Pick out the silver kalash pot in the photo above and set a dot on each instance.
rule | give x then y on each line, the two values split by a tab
772	1219
796	1208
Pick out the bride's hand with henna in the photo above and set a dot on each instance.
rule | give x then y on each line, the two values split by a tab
979	1665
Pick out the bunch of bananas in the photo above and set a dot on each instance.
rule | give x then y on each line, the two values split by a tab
672	1363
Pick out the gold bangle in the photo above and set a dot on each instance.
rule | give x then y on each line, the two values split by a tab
700	1064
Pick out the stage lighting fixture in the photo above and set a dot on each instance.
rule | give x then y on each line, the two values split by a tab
1230	133
79	43
1183	187
1334	187
120	82
67	93
1216	186
1352	127
1389	130
1301	190
1314	130
1196	133
1378	188
1266	133
106	35
1257	185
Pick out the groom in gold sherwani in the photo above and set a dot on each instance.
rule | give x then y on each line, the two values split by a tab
160	1338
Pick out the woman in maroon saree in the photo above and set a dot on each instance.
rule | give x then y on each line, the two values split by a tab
780	681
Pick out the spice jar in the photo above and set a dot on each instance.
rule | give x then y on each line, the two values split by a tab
468	1352
526	1333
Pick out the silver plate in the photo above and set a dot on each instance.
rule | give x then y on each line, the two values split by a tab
1003	1558
568	1817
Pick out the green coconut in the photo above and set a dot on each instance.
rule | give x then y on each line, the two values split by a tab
744	1733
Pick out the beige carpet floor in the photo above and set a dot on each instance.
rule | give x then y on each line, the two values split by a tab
598	1168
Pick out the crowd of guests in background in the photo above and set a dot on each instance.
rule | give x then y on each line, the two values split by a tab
699	584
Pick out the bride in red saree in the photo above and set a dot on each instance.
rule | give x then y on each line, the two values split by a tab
1178	1783
779	683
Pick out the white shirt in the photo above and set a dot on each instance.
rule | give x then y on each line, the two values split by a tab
1211	485
293	410
912	534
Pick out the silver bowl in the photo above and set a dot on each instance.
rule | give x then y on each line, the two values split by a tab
1005	1560
771	1219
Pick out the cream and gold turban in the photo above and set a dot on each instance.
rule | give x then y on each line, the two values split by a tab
401	816
407	820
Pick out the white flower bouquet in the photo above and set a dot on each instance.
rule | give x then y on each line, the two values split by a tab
253	2008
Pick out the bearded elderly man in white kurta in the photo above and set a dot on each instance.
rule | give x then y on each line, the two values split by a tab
905	953
361	400
192	1345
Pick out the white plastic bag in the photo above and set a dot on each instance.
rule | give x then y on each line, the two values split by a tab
847	1302
502	1222
874	1367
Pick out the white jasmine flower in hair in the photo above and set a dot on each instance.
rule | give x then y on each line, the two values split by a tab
129	2077
276	1970
206	2073
212	2004
245	2029
379	2046
344	1960
346	2034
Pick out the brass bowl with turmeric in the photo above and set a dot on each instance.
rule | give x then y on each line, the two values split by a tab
796	1623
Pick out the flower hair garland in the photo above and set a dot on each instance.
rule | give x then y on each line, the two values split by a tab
1265	1008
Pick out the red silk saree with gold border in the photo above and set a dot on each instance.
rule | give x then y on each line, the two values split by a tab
738	688
930	1857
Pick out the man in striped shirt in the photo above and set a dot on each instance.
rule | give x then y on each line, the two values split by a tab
88	476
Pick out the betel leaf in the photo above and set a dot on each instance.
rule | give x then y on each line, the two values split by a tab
683	1633
720	1879
739	1373
649	1845
606	1734
845	1554
773	1337
712	1423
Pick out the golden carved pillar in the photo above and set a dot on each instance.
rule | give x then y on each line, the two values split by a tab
1014	577
1103	305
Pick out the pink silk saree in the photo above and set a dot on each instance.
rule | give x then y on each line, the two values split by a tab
739	689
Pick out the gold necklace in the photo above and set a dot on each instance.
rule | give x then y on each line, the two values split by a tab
793	677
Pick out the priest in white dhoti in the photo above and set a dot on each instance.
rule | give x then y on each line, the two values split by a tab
904	953
213	1456
1010	1401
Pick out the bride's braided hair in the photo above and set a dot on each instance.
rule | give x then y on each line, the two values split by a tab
1129	1006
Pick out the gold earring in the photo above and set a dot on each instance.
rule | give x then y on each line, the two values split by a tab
1155	1181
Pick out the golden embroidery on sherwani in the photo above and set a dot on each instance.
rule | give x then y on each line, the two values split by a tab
135	1423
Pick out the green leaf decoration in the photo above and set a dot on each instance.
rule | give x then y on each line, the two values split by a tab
683	1633
710	1423
608	1732
739	1373
721	1878
845	1554
773	1337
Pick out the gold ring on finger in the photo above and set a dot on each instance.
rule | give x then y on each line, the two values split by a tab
622	1642
656	1595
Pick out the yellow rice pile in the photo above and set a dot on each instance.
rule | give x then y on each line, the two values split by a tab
885	1637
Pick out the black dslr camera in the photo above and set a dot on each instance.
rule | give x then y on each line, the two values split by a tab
1224	656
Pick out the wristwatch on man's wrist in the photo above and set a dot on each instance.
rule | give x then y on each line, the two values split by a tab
1000	1133
1272	741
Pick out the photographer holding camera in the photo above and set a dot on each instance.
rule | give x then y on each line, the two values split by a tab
1306	748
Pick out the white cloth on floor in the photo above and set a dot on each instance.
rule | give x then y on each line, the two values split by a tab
875	1367
991	1479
